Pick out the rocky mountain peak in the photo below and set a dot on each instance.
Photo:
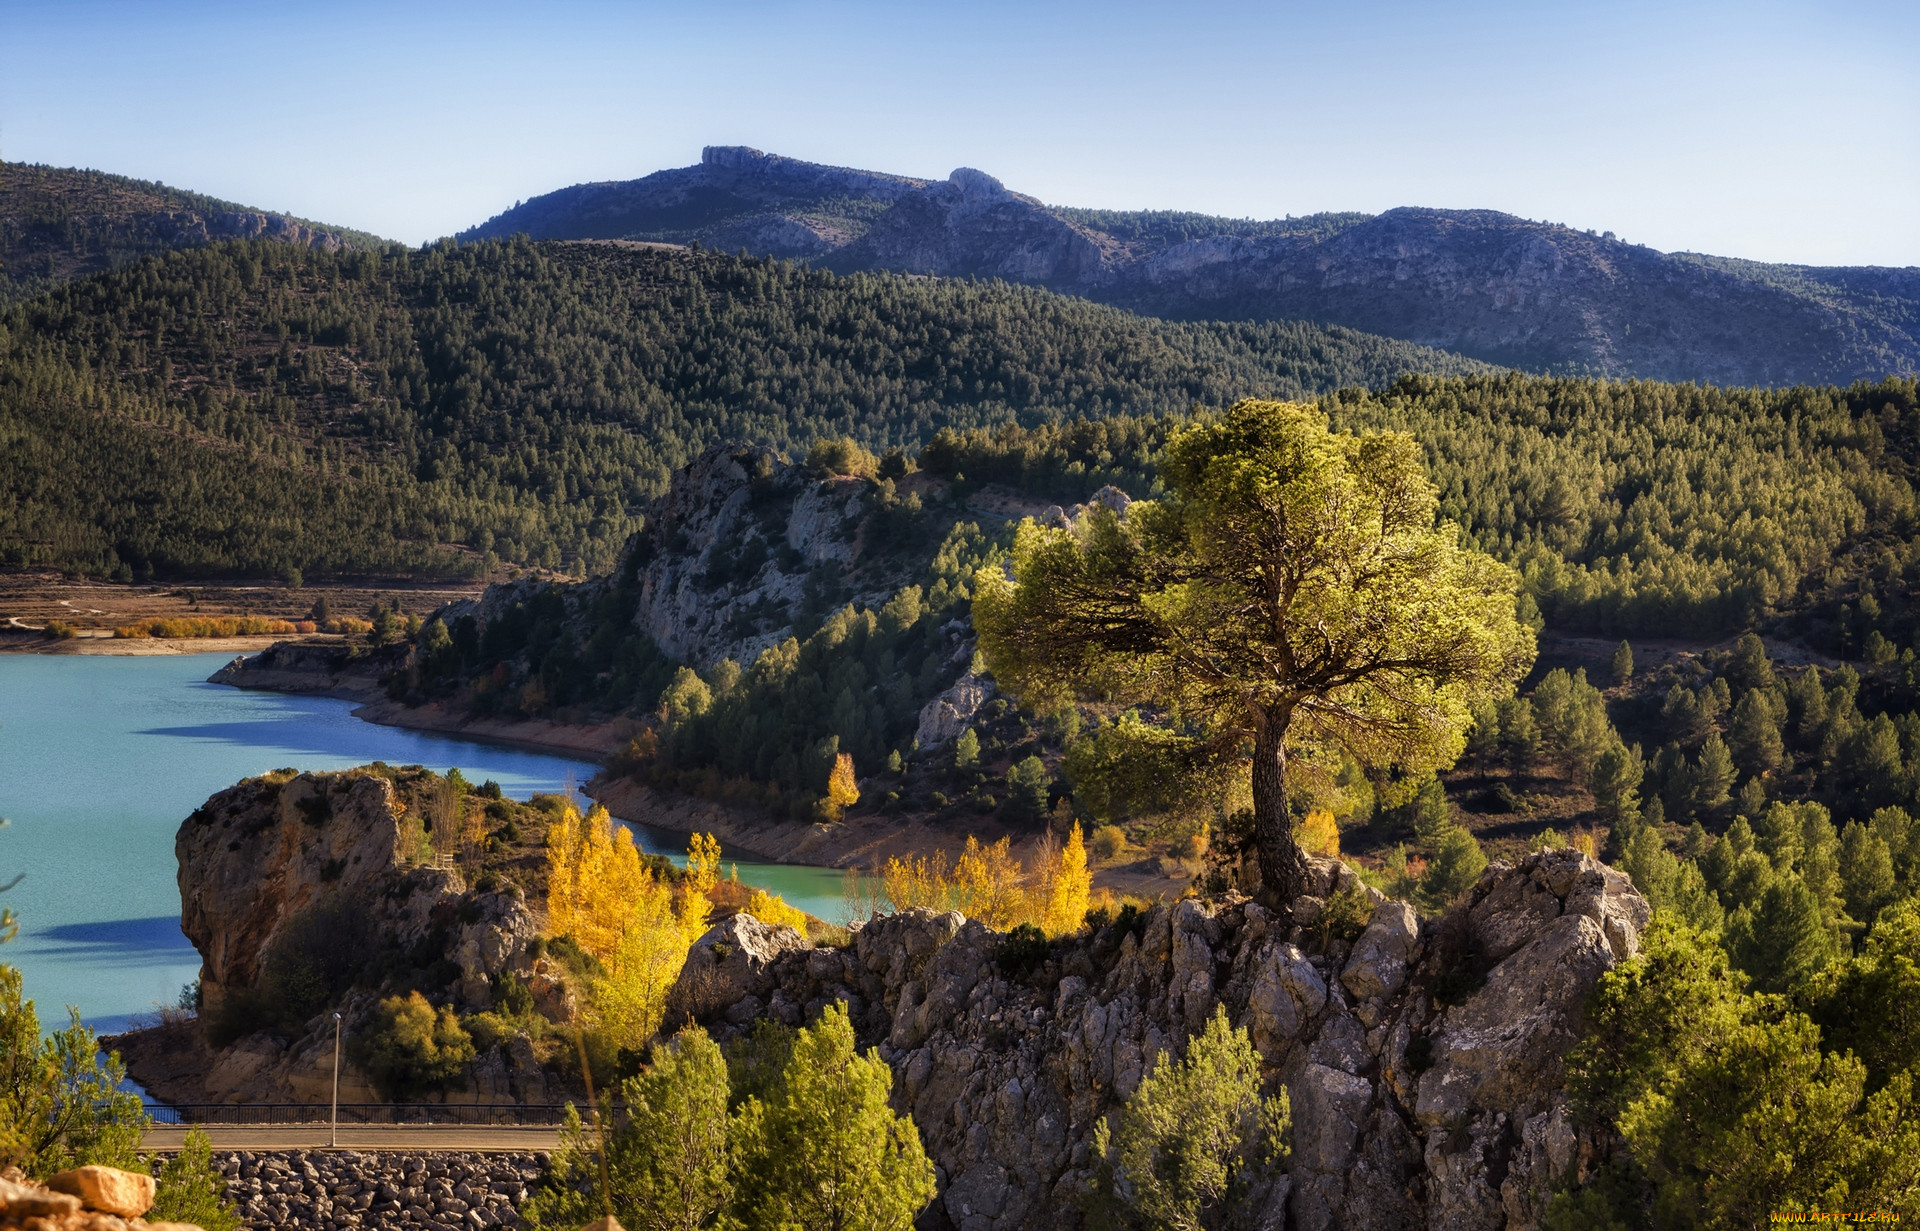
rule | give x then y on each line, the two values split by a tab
976	186
730	156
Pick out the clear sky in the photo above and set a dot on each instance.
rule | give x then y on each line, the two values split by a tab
1787	131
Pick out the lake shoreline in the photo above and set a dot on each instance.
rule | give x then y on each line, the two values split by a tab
862	842
107	646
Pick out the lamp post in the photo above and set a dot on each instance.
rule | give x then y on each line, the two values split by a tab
333	1138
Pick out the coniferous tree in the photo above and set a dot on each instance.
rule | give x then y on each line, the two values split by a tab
1617	775
827	1152
1866	872
1754	735
1621	669
1195	1135
1713	778
1781	941
1292	590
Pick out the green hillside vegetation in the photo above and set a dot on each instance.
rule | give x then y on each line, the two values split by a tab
1163	228
256	407
1758	1055
59	223
1637	508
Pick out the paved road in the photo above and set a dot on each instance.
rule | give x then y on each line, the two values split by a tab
359	1137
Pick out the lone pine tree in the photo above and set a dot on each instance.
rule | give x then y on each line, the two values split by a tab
1291	589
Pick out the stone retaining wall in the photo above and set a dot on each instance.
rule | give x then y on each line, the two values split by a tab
318	1190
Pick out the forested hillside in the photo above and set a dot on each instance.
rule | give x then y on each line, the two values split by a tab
252	407
57	224
1535	295
1642	509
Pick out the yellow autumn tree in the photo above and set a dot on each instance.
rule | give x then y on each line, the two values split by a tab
987	883
1318	834
594	880
630	997
703	863
638	925
842	791
918	880
1069	888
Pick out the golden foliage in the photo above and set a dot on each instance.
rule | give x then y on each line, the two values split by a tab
630	997
594	880
639	925
1071	886
215	626
772	909
987	883
703	863
1318	834
842	791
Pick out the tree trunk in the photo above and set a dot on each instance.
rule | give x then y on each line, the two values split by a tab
1283	865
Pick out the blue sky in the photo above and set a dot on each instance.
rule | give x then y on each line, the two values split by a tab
1787	132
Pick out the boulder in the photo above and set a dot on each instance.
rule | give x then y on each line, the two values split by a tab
107	1189
943	719
1377	968
728	964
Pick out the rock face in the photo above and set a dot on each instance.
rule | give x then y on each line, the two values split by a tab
283	855
738	547
1504	289
947	715
1424	1060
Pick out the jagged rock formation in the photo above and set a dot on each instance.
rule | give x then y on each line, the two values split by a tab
1504	289
286	854
1424	1060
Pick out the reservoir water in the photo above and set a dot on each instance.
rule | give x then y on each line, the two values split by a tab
101	758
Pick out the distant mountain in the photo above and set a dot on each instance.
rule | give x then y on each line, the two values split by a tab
57	224
1532	295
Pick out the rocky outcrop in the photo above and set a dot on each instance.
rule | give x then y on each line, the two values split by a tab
325	866
724	563
1424	1059
310	667
947	715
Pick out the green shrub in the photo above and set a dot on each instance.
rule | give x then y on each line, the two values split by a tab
1194	1137
1109	842
191	1191
1021	951
61	1102
411	1049
1346	914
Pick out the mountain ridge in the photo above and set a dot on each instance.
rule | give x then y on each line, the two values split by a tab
1499	288
62	223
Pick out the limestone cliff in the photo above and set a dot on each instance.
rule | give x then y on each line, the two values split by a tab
321	874
1424	1059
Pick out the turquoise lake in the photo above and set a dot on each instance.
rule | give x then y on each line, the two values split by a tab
101	758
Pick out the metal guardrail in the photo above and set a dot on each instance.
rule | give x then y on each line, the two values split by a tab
525	1115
